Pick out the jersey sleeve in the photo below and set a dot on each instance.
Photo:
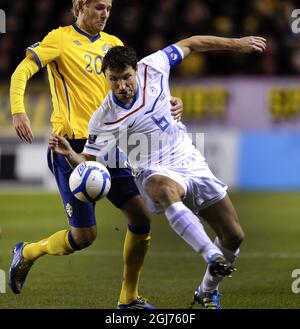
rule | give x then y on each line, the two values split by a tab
47	50
164	59
25	70
101	139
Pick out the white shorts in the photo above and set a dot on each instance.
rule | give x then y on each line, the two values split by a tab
201	187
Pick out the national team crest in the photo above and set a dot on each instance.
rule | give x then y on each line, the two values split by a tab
154	90
105	48
69	209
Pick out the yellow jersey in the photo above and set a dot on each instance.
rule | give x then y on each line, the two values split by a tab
77	83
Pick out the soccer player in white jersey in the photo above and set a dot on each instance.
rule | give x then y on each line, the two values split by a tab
172	175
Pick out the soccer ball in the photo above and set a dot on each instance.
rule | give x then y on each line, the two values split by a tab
90	181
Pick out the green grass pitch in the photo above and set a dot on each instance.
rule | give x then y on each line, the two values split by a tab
92	278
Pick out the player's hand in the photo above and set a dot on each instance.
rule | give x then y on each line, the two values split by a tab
252	44
59	145
22	126
177	108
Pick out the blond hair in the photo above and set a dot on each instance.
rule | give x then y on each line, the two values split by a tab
77	6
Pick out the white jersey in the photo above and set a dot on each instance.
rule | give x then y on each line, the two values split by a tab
145	130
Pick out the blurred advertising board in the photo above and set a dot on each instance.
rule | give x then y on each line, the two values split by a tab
234	103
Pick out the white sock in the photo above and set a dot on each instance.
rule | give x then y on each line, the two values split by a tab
209	282
188	226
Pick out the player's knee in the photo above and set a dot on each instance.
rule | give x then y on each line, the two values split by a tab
143	219
136	212
235	239
84	239
167	194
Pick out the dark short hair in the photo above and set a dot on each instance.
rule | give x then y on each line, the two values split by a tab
119	57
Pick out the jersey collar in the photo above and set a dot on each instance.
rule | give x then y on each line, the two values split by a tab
91	38
128	107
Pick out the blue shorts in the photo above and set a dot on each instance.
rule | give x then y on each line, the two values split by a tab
81	214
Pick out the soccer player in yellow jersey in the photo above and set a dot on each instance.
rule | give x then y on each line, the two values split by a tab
73	56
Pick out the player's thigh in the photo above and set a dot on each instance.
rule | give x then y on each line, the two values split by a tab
223	218
125	195
160	186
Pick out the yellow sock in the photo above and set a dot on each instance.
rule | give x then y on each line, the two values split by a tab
135	249
56	244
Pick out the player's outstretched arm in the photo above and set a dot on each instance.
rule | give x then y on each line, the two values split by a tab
26	69
199	43
60	145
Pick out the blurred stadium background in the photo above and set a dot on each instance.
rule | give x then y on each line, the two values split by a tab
248	107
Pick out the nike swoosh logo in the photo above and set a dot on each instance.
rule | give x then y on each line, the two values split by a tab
130	126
